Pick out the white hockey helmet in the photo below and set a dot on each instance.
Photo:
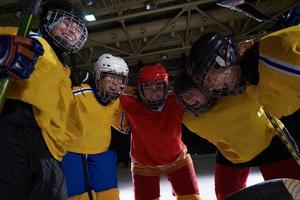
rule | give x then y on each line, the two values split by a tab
117	69
110	64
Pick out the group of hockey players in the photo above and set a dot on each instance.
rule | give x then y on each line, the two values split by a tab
55	126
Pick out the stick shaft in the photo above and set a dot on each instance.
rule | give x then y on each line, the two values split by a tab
23	30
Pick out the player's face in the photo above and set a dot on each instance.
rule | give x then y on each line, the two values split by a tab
68	31
224	78
112	83
194	98
154	91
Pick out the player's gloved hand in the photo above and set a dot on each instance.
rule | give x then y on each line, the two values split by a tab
18	55
79	76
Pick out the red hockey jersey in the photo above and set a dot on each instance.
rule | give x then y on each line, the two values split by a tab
156	136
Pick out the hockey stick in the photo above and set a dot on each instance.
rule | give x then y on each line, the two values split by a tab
86	178
243	7
23	30
285	137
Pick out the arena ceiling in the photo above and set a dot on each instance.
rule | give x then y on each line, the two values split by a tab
164	33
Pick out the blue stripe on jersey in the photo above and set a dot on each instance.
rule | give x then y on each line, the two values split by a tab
34	34
82	90
279	65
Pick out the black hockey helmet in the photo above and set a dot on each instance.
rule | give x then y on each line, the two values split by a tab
54	12
213	51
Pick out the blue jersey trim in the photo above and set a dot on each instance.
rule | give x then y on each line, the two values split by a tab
282	66
82	91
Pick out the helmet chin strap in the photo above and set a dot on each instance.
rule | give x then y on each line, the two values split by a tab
156	107
101	99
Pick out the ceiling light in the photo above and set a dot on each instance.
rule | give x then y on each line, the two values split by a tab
88	2
18	14
172	34
163	57
90	17
149	5
202	28
145	39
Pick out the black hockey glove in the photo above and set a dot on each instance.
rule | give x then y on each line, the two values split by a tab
79	76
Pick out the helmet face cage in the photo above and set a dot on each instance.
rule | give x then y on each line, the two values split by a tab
153	82
54	18
222	74
154	105
111	76
197	108
106	94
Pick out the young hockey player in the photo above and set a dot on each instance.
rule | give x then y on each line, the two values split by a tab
33	120
156	145
90	167
236	122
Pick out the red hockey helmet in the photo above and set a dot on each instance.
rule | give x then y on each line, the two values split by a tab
153	73
153	85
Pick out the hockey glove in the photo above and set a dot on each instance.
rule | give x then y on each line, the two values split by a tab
79	76
18	55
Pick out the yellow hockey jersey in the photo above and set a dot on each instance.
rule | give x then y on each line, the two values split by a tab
236	125
48	90
89	122
279	72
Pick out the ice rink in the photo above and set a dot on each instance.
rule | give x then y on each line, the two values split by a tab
204	165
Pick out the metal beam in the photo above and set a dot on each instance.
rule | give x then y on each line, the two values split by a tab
152	28
149	12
